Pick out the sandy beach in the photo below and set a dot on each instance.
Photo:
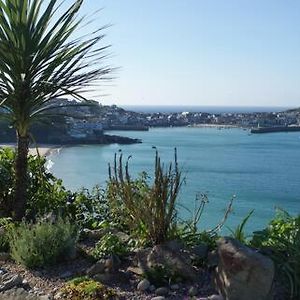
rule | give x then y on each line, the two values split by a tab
44	150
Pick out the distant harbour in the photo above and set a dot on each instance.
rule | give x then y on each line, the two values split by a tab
199	108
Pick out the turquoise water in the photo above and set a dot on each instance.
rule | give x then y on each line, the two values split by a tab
263	171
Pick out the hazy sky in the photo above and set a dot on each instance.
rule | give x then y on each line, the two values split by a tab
202	52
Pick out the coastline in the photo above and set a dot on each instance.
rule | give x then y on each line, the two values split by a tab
44	150
225	126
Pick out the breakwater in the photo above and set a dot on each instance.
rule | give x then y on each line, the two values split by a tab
275	129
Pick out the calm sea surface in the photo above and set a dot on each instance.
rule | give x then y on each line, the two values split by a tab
263	171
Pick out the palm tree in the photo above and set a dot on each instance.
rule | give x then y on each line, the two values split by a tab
40	60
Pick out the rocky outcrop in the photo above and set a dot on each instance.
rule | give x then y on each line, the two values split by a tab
242	273
172	261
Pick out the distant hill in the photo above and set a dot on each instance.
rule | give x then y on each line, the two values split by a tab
293	110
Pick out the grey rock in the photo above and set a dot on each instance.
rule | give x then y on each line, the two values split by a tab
215	297
18	294
103	278
212	259
162	291
174	287
112	263
97	268
9	283
160	255
143	285
4	256
66	274
242	273
58	296
193	291
158	298
199	251
45	297
152	288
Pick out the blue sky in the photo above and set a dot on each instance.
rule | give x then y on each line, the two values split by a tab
202	52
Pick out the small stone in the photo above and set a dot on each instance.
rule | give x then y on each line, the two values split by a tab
162	291
4	256
97	268
103	278
215	297
44	297
143	285
13	281
112	263
58	296
152	288
66	274
193	291
158	298
174	287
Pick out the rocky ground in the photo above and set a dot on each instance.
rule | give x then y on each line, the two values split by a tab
230	269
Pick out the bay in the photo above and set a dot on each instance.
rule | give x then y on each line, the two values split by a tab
262	171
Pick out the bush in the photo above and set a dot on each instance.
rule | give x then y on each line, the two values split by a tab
146	209
85	288
44	191
282	237
109	244
5	224
43	243
89	209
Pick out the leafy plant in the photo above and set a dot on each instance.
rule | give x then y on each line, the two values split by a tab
161	275
282	237
239	232
5	224
42	243
145	207
89	208
109	244
85	288
44	191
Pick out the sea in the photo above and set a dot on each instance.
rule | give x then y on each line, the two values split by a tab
260	172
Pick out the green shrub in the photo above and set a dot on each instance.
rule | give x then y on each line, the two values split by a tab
239	232
145	208
109	244
87	289
282	237
42	243
44	191
5	224
89	208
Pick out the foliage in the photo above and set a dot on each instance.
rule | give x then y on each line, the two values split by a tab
89	209
239	232
145	208
42	58
85	288
5	224
43	243
161	275
109	244
282	236
45	192
188	230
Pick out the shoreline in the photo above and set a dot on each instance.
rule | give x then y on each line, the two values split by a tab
44	150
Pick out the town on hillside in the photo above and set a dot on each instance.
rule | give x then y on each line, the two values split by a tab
73	123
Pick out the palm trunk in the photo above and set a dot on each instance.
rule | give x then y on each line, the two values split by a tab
21	176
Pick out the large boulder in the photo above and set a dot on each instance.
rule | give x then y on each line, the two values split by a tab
174	262
242	273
